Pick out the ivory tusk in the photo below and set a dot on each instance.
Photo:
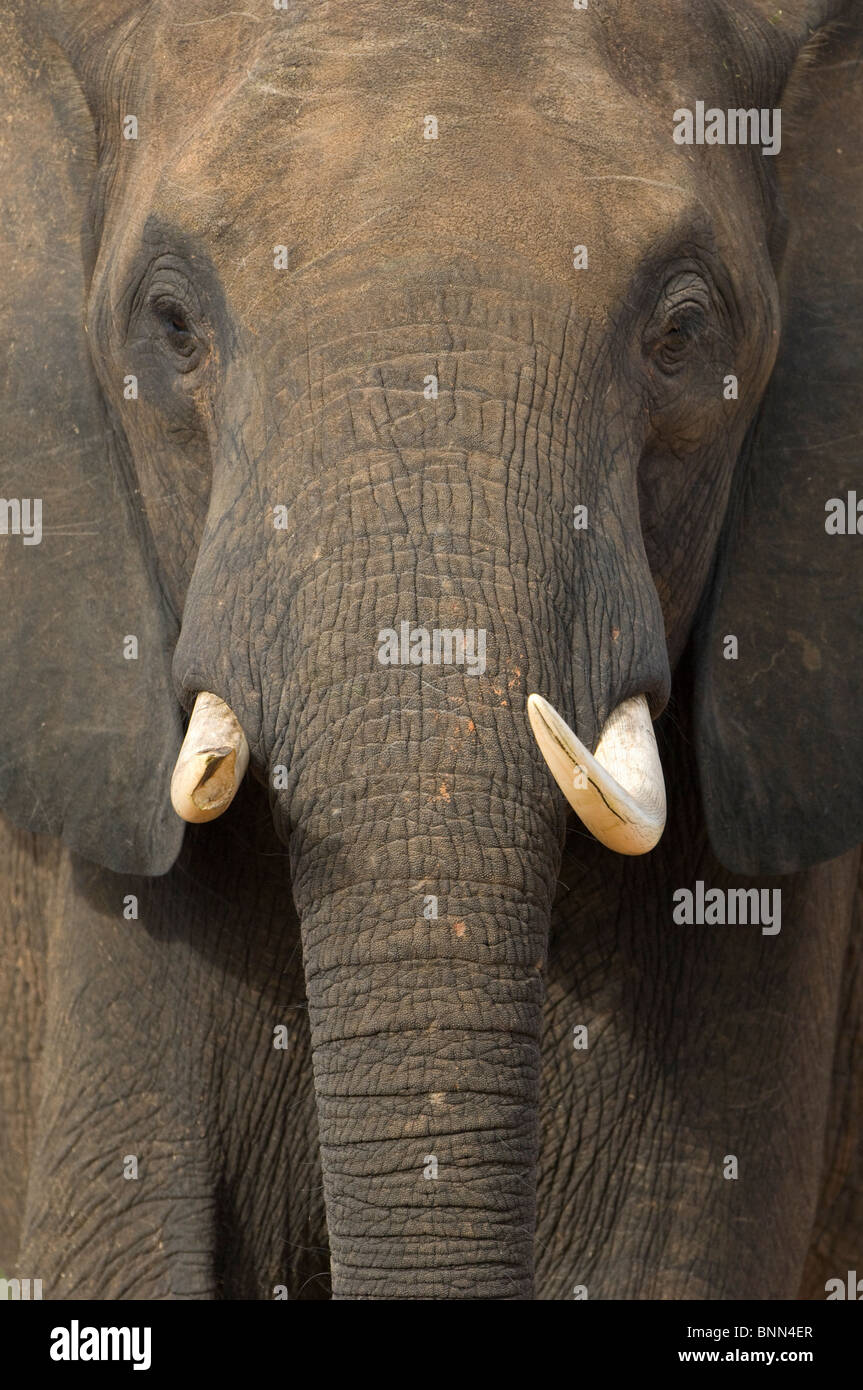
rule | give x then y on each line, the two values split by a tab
618	791
211	763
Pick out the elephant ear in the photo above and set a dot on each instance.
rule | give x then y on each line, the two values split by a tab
779	730
88	733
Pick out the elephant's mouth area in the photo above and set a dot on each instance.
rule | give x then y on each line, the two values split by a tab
618	791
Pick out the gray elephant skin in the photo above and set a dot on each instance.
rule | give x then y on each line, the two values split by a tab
328	323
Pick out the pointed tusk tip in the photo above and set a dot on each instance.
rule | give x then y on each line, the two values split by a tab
617	791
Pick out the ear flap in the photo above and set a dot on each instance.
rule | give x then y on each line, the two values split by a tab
779	729
88	736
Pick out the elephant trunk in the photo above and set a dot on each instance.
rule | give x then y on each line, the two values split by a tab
423	579
425	846
424	960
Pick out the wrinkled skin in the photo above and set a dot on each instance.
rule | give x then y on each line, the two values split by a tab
302	388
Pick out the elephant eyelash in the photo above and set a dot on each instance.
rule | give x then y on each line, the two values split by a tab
171	315
681	327
684	325
177	328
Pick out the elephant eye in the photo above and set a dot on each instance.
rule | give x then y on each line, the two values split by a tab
681	331
679	323
175	327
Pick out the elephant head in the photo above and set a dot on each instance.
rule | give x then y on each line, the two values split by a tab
378	368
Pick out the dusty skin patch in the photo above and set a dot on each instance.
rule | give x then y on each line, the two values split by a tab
511	679
463	729
810	655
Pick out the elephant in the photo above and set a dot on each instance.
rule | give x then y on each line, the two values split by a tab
430	440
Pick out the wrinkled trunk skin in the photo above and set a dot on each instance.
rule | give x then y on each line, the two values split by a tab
416	789
411	788
425	1038
425	1028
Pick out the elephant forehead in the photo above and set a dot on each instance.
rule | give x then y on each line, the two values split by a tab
336	132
